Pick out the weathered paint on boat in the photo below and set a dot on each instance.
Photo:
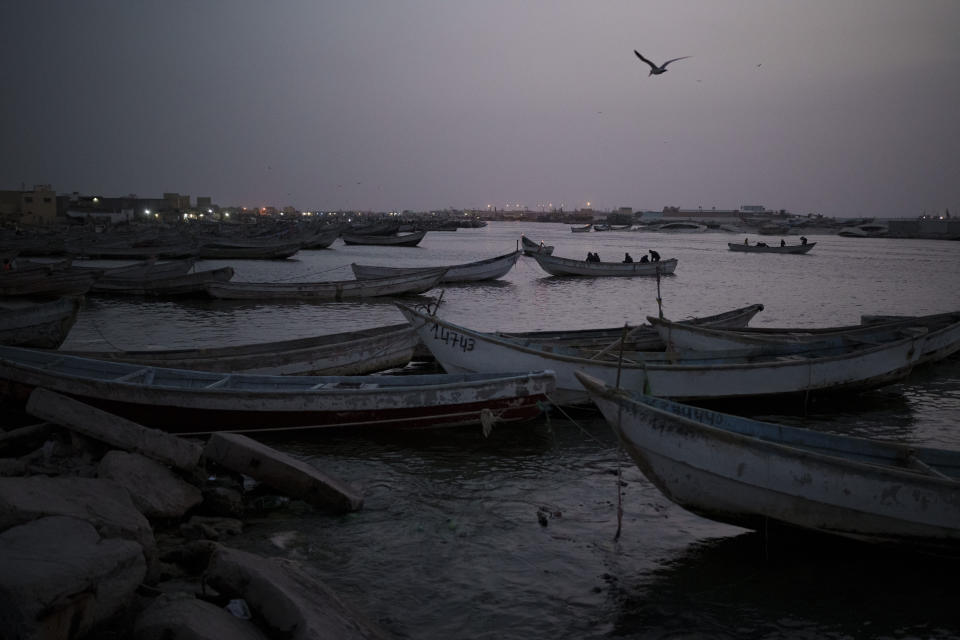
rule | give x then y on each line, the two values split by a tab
746	472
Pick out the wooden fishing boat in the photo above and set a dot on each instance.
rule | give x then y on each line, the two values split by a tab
400	240
341	354
489	269
333	290
679	376
643	337
530	247
790	248
748	473
584	229
322	238
942	338
177	285
43	283
557	266
224	250
124	251
43	325
184	401
149	268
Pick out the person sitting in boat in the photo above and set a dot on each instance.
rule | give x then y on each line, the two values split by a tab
782	243
654	256
745	242
627	258
761	244
803	239
644	259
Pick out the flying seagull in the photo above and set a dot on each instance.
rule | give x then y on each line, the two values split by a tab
654	69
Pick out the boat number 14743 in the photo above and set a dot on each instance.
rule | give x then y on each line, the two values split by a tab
452	338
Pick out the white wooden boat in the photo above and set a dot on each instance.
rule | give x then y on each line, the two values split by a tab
333	290
748	473
400	240
643	337
186	401
529	247
942	338
489	269
177	285
676	376
557	266
341	354
44	325
790	248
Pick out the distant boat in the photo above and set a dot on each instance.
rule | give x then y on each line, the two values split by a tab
566	267
750	473
184	401
478	271
402	240
530	247
681	227
790	248
584	229
869	230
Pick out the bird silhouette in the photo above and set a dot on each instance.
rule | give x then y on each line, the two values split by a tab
654	69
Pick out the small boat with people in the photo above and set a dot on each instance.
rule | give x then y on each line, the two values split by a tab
478	271
557	266
335	290
763	247
186	401
350	353
753	474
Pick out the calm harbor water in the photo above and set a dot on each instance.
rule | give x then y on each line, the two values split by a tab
513	536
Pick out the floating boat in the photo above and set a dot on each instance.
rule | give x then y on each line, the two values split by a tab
224	250
679	376
43	325
166	285
149	268
942	337
45	283
401	240
332	290
126	251
748	473
790	248
489	269
584	229
643	337
680	227
567	267
184	401
341	354
530	247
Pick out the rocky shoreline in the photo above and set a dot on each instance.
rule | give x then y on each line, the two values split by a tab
112	530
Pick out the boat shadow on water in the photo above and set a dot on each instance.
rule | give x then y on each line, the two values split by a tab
790	584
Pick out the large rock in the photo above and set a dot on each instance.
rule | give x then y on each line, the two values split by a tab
156	491
181	617
114	430
284	473
103	503
289	602
59	578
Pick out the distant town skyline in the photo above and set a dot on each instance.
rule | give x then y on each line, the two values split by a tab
845	109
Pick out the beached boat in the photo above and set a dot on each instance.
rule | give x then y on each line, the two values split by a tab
45	283
332	290
750	473
341	354
942	337
176	285
489	269
185	401
764	248
43	325
530	247
400	240
679	376
557	266
643	337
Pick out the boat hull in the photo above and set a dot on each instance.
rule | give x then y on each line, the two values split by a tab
791	249
566	267
489	269
324	291
44	325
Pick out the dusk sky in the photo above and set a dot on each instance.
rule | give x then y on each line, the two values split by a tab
841	107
